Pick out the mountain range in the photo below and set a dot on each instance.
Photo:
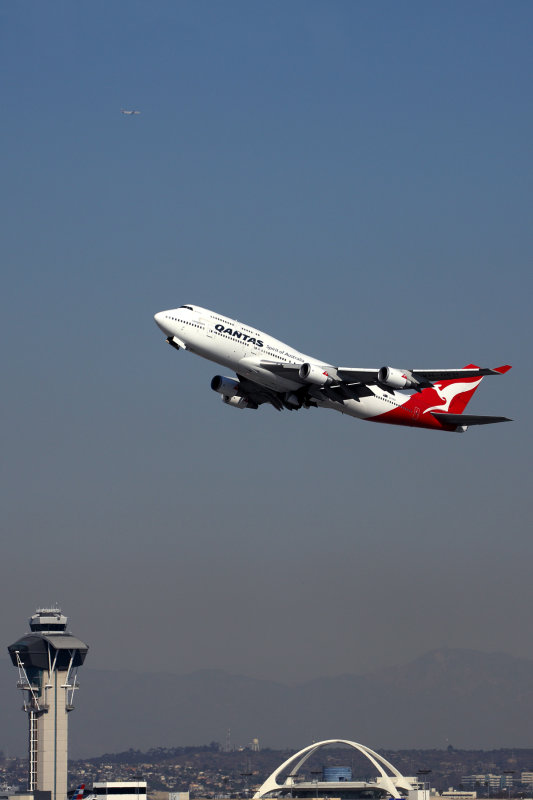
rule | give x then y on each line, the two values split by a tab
462	698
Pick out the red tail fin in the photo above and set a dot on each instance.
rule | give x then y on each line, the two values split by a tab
452	396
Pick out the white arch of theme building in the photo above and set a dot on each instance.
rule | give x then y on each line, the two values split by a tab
392	784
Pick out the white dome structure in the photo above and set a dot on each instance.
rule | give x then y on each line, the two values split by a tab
389	782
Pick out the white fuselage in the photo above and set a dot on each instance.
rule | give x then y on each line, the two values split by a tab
241	348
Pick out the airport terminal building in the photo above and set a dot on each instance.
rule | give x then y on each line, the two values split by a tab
291	779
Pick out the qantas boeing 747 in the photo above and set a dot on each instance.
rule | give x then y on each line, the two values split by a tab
270	371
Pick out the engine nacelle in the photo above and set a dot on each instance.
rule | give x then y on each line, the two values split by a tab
225	386
397	378
237	401
231	392
314	374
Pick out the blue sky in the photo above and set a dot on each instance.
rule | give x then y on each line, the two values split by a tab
354	178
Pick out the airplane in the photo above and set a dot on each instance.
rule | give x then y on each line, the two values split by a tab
128	113
270	371
78	793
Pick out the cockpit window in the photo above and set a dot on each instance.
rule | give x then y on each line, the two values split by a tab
189	307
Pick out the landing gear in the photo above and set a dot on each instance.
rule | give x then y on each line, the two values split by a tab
296	400
172	343
292	401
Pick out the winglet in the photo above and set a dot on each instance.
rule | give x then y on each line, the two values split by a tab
502	370
499	370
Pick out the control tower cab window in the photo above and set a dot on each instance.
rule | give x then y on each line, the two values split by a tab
48	627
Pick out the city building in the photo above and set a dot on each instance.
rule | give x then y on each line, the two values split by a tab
492	783
119	790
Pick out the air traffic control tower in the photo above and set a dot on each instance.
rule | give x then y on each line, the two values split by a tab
47	660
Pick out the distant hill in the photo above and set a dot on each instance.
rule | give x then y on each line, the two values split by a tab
463	697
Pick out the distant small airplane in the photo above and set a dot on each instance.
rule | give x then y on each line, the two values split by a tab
270	371
128	113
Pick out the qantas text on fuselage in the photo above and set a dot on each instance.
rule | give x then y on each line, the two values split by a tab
269	371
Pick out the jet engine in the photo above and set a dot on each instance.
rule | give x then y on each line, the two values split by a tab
225	386
397	378
314	374
237	401
231	392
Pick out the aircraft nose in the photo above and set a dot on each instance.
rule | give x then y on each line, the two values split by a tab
160	320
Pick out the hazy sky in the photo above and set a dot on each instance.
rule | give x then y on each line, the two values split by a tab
353	178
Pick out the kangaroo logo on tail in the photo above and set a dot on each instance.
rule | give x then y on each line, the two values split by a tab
449	391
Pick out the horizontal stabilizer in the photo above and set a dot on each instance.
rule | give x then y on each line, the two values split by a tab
466	419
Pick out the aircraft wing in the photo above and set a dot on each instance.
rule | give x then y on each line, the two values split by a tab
259	394
357	375
338	374
351	375
284	370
